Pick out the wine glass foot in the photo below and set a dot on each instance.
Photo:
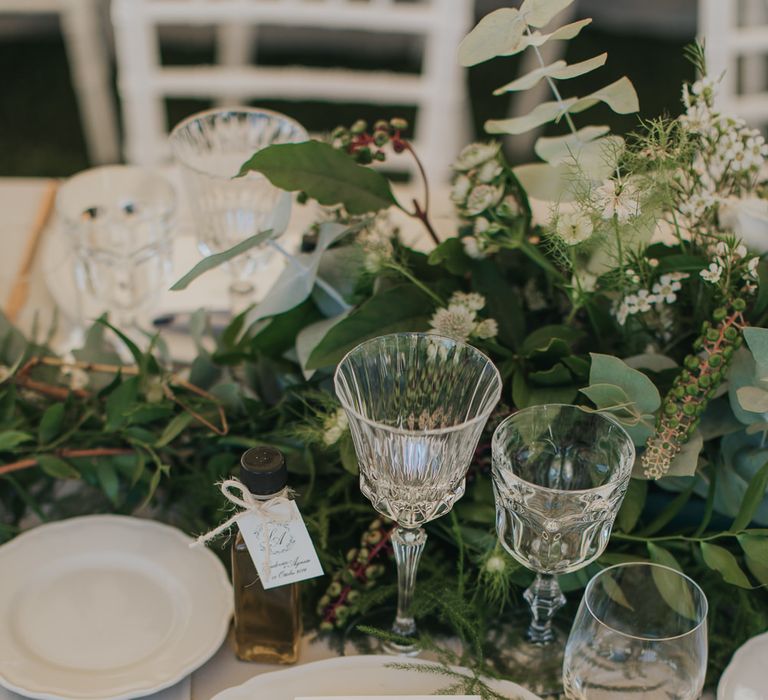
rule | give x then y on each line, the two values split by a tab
395	649
536	667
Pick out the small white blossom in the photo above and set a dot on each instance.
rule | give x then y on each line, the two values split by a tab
78	379
334	427
653	262
481	225
665	289
482	197
740	251
495	564
489	171
475	154
574	227
751	272
455	322
472	300
472	248
712	274
488	328
617	199
461	186
645	300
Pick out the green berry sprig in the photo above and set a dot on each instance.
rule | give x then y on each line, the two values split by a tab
360	574
367	146
694	387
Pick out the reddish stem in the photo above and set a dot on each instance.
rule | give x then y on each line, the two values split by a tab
93	452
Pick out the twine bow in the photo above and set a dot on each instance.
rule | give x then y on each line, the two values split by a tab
268	512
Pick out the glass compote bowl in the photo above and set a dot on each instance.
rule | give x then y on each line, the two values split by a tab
211	147
559	475
640	632
417	404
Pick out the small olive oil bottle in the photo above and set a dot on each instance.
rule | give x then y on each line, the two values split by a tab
267	622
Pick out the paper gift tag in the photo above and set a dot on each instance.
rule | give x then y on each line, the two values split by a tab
292	556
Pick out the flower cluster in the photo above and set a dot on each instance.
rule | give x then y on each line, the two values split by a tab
360	574
376	241
731	264
664	291
459	319
366	146
481	196
697	384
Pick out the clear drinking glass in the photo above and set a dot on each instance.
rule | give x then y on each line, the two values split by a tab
211	147
417	404
559	475
640	632
119	218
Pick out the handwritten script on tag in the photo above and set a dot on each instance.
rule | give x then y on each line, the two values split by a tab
292	556
385	697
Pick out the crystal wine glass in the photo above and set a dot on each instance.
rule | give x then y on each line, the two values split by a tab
559	475
417	404
119	218
640	632
211	146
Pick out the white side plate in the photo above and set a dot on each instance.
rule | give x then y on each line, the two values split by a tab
745	678
351	675
107	607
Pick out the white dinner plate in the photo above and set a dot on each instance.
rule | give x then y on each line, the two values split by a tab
746	678
107	607
354	675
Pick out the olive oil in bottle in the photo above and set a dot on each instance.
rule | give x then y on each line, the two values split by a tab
267	622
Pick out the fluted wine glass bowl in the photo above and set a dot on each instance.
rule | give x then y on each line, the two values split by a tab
560	473
416	404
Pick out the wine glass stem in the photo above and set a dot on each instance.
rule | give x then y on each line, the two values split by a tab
545	598
408	545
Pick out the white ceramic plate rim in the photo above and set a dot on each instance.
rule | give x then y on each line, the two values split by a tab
733	671
140	688
251	686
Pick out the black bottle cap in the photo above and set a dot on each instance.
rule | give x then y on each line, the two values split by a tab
263	470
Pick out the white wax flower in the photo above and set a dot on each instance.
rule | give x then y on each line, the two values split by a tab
482	197
574	227
472	300
475	154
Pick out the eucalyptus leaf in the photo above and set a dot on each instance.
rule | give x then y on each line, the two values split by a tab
547	182
757	341
620	96
555	149
495	34
567	31
538	13
541	114
217	259
607	369
310	336
721	560
752	398
559	70
326	174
